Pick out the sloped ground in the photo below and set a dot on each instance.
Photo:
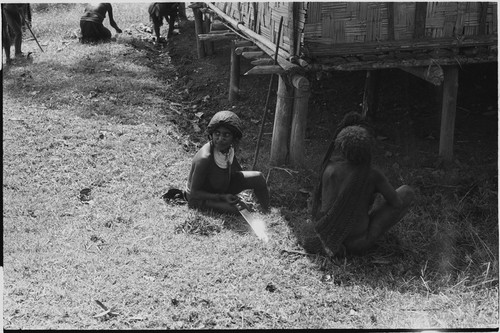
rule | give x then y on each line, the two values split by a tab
125	118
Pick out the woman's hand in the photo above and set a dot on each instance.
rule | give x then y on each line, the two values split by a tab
229	198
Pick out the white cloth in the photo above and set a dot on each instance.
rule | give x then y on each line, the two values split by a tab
224	160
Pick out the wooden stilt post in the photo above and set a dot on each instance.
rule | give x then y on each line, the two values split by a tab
198	26
234	75
234	78
299	120
209	46
448	112
282	123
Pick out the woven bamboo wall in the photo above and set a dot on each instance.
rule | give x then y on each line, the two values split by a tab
350	22
264	18
323	29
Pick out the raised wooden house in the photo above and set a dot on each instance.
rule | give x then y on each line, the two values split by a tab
428	39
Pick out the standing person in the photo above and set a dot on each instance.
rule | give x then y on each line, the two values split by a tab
164	10
91	25
343	210
216	177
12	23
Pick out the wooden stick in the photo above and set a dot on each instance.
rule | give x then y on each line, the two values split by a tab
267	99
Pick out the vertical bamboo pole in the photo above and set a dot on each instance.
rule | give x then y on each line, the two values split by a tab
390	20
448	112
483	12
282	123
198	26
234	78
299	126
420	18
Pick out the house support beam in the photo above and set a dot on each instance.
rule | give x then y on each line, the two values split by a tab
448	113
299	121
198	27
282	122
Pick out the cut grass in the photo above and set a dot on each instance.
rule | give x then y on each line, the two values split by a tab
116	119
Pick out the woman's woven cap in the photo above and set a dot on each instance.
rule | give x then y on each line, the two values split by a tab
226	119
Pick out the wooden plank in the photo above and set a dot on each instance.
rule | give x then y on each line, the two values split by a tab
448	112
217	37
395	63
241	49
326	47
252	54
266	69
262	62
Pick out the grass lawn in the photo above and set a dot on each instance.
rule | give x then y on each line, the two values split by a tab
123	120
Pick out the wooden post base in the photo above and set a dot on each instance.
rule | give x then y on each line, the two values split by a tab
448	112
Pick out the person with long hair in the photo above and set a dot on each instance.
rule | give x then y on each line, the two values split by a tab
344	214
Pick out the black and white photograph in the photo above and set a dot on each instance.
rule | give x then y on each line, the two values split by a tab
250	165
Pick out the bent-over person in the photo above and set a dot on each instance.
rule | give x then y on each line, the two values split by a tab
344	212
91	25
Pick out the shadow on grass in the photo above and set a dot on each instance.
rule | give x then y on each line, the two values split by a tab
210	223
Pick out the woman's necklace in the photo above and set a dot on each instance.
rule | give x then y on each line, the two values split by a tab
224	160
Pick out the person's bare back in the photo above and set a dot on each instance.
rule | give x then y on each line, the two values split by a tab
349	185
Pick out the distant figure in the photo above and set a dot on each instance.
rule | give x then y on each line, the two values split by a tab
168	10
12	22
342	210
91	26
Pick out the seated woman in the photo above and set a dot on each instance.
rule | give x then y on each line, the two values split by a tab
216	177
342	210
